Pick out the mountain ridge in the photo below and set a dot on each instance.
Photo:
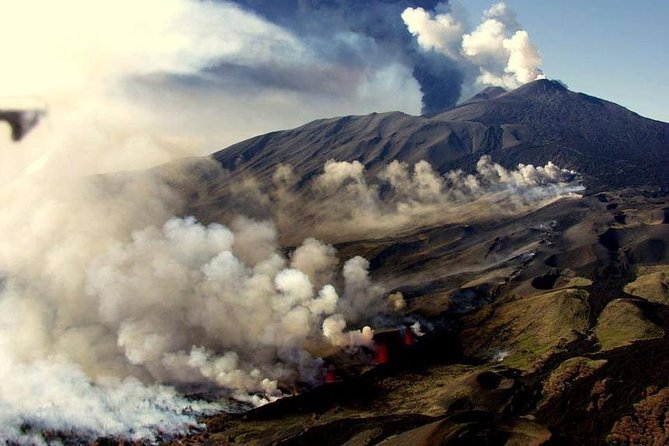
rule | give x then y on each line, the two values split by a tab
538	122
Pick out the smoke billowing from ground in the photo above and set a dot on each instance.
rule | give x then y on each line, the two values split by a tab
103	290
104	293
108	299
345	202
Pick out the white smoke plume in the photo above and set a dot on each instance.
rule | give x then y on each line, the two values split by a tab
55	394
108	302
347	203
90	313
501	52
316	260
441	32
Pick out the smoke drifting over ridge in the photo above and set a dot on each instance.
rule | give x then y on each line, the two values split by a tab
345	202
108	298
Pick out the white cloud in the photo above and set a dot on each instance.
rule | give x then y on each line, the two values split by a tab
524	58
441	32
502	53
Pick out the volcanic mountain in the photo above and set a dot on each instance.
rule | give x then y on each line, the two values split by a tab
547	325
541	121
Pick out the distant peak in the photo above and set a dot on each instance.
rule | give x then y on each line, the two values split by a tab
486	94
552	84
542	86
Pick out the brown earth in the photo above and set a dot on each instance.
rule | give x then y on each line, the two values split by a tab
549	348
546	327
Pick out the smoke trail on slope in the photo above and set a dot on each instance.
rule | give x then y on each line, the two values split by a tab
404	195
345	202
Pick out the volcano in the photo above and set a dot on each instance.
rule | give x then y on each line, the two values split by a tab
611	146
548	326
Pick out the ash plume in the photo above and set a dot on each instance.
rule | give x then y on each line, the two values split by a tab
497	48
430	39
111	298
344	202
368	36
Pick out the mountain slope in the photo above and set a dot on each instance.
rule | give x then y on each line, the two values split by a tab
544	326
599	138
539	122
374	140
542	345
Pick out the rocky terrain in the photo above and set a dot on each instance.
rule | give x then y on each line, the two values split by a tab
567	346
543	326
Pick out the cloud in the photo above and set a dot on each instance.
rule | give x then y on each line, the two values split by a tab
181	37
497	48
440	33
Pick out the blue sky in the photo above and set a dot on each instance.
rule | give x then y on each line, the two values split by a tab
614	49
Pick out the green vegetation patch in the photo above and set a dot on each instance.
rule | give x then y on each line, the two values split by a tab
652	284
621	323
529	330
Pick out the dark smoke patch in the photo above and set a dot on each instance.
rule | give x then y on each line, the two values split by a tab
440	82
380	37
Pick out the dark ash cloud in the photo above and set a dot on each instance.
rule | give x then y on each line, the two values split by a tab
363	37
